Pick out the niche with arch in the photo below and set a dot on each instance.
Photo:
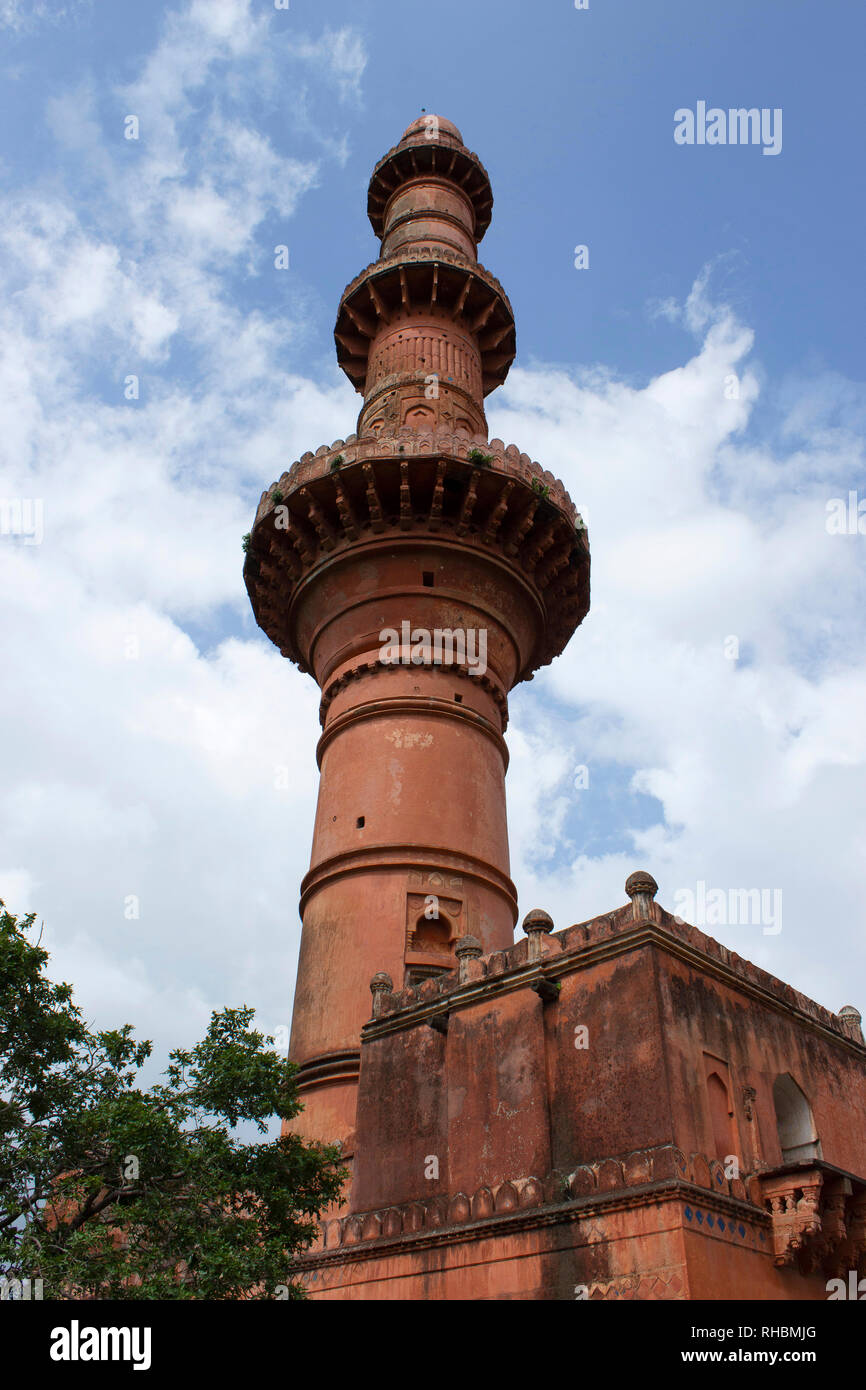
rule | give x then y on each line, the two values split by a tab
722	1117
433	936
434	923
722	1140
795	1124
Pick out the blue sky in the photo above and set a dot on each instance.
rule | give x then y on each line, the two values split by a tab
147	714
572	112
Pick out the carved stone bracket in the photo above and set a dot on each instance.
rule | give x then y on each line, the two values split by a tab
819	1221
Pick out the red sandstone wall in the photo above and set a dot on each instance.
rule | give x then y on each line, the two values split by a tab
402	1109
758	1042
498	1122
610	1097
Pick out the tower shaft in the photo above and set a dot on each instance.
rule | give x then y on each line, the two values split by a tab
418	572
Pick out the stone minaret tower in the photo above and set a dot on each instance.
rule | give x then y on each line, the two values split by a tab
414	525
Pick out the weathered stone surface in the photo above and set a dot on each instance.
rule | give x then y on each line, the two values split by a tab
459	1209
608	1175
506	1198
582	1181
482	1204
638	1167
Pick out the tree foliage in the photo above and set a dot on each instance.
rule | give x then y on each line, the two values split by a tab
111	1190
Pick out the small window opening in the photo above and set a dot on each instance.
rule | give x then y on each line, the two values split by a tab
427	579
458	699
360	822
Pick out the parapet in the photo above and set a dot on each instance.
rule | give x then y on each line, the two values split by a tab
554	954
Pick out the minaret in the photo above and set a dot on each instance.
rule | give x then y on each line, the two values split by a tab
418	572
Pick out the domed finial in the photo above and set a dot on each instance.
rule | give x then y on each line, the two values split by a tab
537	923
641	887
537	920
430	127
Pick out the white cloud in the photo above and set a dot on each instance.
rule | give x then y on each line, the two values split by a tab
341	54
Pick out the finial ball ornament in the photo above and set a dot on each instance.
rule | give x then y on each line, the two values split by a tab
538	920
641	882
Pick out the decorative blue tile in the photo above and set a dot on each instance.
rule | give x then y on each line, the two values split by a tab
688	1213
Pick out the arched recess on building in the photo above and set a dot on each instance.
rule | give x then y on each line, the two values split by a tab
433	934
431	949
722	1116
720	1108
798	1136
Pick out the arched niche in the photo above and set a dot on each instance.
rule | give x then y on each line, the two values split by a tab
798	1136
722	1116
433	935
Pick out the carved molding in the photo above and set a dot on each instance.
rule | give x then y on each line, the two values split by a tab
609	1175
372	668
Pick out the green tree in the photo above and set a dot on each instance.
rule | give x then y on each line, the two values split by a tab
109	1190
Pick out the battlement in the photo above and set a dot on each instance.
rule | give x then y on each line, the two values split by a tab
558	953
